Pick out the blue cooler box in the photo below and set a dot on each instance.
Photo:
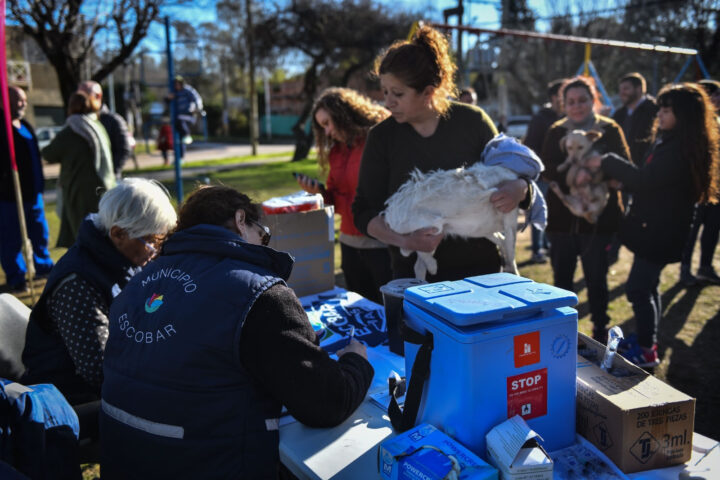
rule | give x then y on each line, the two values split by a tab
502	345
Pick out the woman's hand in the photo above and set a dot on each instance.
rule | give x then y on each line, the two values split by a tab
423	240
308	184
353	347
509	195
583	177
594	162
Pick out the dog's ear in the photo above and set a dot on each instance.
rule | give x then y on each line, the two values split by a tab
593	135
563	144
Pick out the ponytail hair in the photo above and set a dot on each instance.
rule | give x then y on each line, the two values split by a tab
421	62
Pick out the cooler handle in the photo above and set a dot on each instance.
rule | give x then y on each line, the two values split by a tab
404	419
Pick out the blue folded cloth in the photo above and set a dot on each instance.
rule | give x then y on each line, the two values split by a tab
509	153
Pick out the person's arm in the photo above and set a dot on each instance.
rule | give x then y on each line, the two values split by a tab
53	152
80	313
372	185
552	155
278	349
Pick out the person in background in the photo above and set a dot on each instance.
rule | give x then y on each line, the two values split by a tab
165	140
121	142
82	149
341	118
207	345
69	326
189	103
468	95
570	236
428	132
707	215
681	169
32	184
539	125
636	116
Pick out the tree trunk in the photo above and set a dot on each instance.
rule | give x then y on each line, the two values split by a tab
303	140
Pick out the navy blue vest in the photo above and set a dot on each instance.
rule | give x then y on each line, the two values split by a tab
177	402
95	259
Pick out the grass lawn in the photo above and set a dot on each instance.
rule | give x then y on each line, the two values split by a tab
689	331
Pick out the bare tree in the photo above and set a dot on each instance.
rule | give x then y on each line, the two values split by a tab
338	39
67	32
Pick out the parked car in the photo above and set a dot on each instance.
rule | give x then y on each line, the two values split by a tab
46	134
517	126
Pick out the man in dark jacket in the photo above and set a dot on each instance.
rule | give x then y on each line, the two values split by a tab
115	125
534	138
32	184
637	115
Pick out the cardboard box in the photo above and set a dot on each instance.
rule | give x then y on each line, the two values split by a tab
513	448
638	421
310	238
426	453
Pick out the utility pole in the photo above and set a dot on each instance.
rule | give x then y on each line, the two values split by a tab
253	95
451	12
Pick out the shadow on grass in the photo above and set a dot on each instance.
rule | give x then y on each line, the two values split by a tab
695	370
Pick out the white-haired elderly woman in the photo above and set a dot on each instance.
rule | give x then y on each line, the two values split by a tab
68	327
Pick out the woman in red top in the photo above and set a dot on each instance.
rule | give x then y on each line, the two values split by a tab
341	120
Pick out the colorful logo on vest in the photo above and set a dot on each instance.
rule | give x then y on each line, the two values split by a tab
153	303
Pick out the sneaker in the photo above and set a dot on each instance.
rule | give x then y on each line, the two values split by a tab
707	274
187	140
643	357
687	278
539	257
628	343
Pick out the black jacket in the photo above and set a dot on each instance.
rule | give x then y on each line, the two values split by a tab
658	220
638	128
117	131
538	128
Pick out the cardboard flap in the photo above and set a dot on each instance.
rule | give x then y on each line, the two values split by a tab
507	438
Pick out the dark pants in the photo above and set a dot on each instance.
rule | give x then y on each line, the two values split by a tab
11	256
642	291
592	249
708	216
366	270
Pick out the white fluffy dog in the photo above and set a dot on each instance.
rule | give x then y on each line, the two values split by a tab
456	202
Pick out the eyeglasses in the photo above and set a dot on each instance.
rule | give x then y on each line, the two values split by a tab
265	233
153	245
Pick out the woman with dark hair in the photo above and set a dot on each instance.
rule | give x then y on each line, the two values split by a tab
426	132
681	169
706	215
571	236
207	345
86	170
341	118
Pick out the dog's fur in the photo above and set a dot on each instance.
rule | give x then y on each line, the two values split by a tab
586	201
456	202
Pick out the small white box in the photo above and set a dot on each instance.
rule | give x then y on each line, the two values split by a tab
512	447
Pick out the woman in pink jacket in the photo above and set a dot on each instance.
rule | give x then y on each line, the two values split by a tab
341	118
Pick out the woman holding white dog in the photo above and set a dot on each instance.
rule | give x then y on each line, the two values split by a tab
428	132
572	236
341	118
681	169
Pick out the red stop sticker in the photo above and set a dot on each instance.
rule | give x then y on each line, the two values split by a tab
527	394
